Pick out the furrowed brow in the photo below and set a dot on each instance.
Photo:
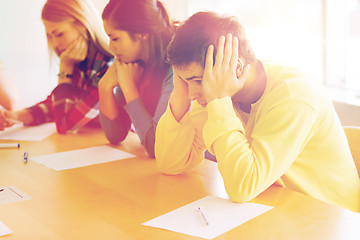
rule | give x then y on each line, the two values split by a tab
190	78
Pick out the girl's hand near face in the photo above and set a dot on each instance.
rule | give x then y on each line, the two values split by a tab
108	106
75	53
128	75
223	78
108	80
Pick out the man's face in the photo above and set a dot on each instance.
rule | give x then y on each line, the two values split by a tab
192	75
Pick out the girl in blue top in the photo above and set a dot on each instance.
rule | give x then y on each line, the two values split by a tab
136	88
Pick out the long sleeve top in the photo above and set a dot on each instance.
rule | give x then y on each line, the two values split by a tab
292	137
138	112
72	105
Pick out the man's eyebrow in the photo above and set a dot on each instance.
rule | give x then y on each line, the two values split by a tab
194	77
191	78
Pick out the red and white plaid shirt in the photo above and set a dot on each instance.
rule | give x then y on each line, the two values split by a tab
72	105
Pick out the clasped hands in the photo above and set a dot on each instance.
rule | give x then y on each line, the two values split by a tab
125	75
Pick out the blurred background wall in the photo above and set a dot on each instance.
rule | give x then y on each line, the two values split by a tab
315	35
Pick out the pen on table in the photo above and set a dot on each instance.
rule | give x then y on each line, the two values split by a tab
202	215
1	190
9	145
26	157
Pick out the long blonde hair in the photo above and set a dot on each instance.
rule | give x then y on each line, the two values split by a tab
83	14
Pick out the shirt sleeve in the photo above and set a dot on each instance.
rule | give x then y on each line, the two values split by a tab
251	164
41	112
144	124
74	107
69	106
179	146
117	129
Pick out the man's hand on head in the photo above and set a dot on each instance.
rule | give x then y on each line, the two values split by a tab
221	79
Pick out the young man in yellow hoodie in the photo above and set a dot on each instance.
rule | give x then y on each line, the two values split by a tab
264	122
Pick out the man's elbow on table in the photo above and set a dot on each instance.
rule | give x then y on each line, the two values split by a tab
168	168
165	169
239	195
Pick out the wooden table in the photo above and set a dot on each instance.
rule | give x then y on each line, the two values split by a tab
111	200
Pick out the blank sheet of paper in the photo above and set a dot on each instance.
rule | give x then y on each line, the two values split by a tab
12	194
222	215
4	230
81	158
28	133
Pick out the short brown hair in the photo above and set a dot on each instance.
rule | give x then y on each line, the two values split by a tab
192	39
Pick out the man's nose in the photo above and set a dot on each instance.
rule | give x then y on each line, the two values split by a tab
194	92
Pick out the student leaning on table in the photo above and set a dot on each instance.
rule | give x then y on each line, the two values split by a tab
264	122
137	86
74	32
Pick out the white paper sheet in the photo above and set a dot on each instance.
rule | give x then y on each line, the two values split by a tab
81	158
4	230
12	194
30	133
222	215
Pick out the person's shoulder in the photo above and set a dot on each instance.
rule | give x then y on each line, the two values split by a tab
279	73
292	81
283	71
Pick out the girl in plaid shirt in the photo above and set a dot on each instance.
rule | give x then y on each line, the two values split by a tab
75	34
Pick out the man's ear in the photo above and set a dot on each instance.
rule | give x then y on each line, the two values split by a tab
239	68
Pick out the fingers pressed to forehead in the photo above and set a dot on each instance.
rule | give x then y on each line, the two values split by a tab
220	51
235	52
209	57
228	49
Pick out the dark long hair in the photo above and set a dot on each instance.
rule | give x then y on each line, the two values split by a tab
142	17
